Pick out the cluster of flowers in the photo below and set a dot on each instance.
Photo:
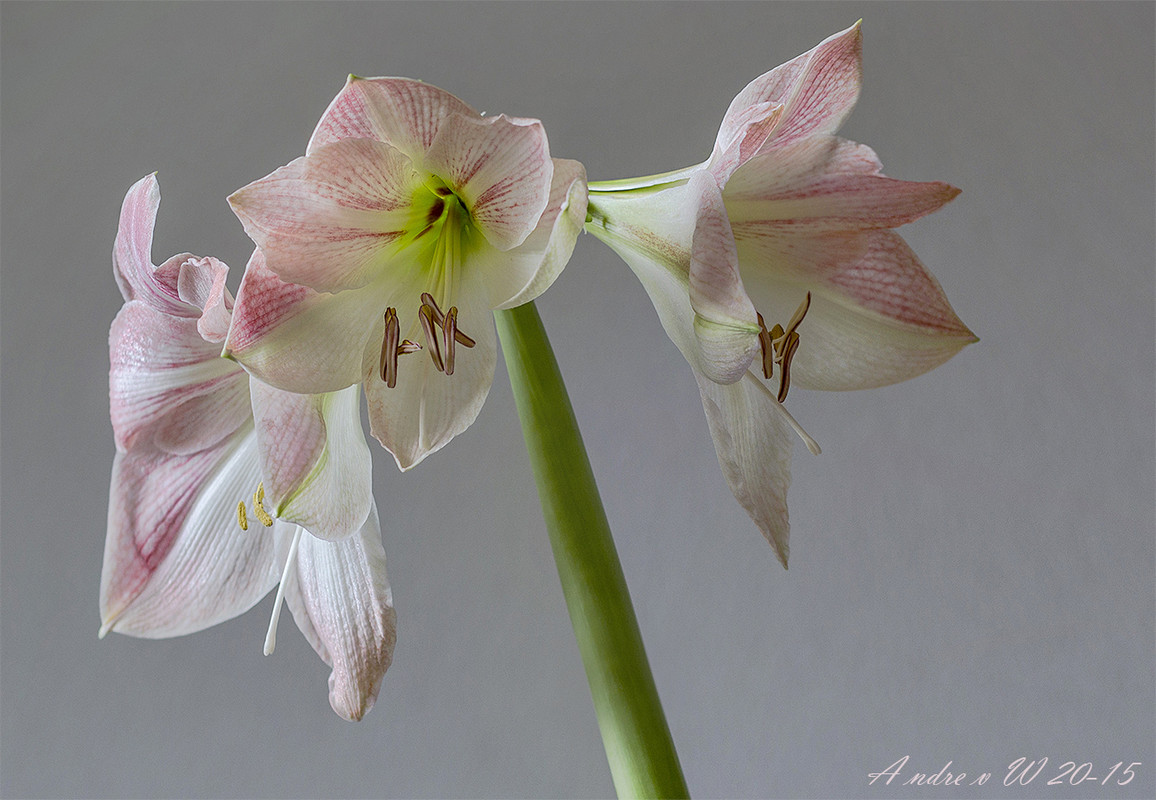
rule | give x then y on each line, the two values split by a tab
380	256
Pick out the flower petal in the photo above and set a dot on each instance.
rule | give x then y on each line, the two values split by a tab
332	219
399	111
877	315
299	340
427	408
132	253
753	441
314	460
520	275
826	183
201	282
340	598
725	323
655	234
501	167
817	89
176	560
168	386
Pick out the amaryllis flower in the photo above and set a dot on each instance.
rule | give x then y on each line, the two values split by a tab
224	488
386	247
773	264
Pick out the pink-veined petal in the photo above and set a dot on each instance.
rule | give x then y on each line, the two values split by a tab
500	167
168	387
340	598
427	408
876	317
314	460
331	220
201	282
725	324
817	89
399	111
132	252
299	340
176	559
827	184
753	441
518	276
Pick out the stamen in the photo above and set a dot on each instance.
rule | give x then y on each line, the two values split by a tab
428	301
449	336
242	516
812	445
259	506
792	344
425	315
291	559
387	363
779	346
766	344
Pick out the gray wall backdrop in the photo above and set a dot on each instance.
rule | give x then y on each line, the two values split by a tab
972	558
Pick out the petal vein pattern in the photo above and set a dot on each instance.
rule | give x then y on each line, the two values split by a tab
404	193
785	223
196	439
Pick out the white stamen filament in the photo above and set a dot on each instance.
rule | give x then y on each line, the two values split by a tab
812	445
290	561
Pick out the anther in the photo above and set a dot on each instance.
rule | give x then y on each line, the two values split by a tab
425	315
779	346
259	506
449	335
391	348
439	319
242	516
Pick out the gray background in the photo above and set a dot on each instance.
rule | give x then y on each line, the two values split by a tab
972	558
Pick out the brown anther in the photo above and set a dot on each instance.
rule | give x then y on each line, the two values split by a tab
429	323
439	319
449	337
387	362
779	346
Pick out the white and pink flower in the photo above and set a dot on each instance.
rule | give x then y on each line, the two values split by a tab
409	219
784	222
224	488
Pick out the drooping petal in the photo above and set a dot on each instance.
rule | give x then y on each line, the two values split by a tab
427	408
132	253
340	598
168	387
520	275
826	184
501	167
299	340
332	219
753	441
399	111
176	560
314	460
724	318
877	316
817	89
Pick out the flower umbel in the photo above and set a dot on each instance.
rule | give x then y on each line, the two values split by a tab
200	447
785	222
410	218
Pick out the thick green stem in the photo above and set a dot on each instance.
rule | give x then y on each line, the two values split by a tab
643	761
